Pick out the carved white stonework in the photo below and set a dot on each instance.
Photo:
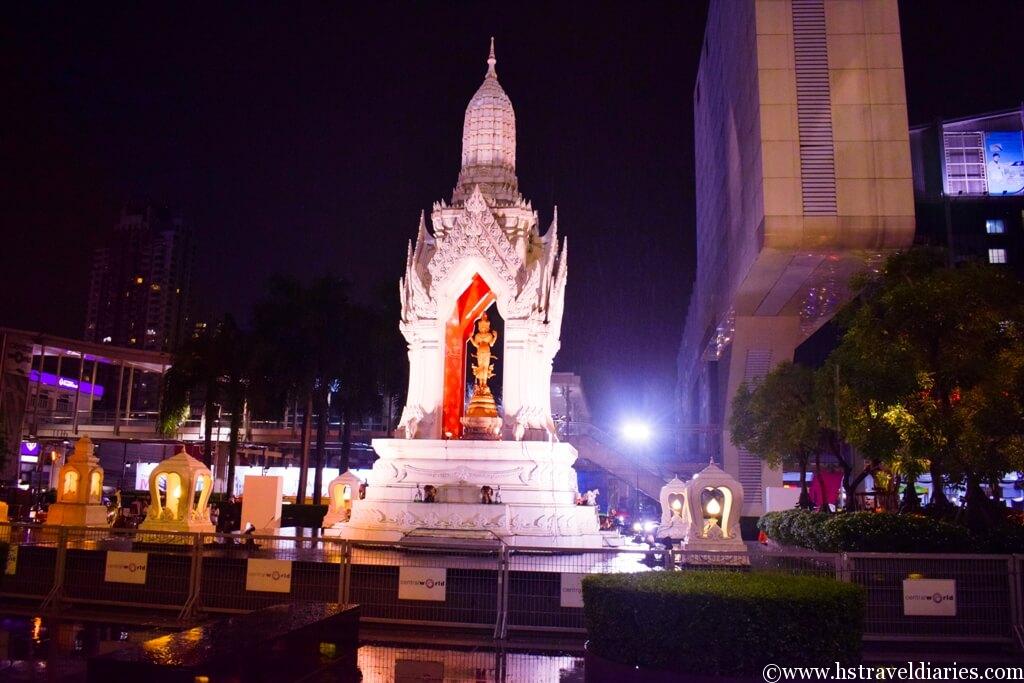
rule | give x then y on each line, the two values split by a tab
491	231
713	541
488	231
538	492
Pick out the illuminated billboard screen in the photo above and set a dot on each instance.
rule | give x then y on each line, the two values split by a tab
1004	162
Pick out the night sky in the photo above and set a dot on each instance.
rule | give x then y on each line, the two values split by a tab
305	138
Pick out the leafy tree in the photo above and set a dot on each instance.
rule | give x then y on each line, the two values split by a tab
195	368
219	364
777	420
236	361
311	337
919	366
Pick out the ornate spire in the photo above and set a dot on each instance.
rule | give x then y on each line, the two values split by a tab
489	141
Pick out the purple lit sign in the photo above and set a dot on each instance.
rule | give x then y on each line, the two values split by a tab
52	380
29	448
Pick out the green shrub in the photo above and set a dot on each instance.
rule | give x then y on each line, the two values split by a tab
794	527
878	532
884	532
769	524
805	529
720	622
1003	539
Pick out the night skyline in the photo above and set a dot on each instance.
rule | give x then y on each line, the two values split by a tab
307	142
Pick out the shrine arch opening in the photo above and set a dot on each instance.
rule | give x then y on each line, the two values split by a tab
459	326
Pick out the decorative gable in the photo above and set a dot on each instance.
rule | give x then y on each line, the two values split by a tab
475	233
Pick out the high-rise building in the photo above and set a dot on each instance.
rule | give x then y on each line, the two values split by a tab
140	283
969	187
803	177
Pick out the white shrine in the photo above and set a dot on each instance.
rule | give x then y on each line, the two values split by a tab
477	471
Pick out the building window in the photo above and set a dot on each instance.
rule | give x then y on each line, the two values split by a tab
995	226
997	256
965	163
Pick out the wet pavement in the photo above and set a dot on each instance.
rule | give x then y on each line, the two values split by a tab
47	649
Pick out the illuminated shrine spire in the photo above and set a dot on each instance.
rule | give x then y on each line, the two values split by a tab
489	142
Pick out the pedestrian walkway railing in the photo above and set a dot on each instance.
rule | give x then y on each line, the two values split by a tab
491	587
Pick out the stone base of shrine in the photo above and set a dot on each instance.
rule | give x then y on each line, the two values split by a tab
77	514
150	530
729	552
533	488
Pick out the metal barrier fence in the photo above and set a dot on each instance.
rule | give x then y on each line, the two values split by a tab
498	588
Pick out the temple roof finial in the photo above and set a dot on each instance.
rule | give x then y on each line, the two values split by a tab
491	61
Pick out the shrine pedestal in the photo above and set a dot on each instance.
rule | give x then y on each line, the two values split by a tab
534	488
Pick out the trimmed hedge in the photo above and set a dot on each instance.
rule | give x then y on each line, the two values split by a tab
721	622
878	532
794	527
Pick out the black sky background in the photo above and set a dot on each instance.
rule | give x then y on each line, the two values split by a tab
305	138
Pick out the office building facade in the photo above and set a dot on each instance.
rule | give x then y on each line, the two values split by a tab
969	187
803	177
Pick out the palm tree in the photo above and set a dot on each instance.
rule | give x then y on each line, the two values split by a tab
219	363
195	368
235	359
304	331
367	377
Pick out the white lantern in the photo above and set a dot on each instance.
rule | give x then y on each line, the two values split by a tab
183	502
675	512
80	489
714	500
342	490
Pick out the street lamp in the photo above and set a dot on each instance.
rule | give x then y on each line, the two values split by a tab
636	432
639	434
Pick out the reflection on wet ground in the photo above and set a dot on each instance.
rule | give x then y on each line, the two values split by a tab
46	649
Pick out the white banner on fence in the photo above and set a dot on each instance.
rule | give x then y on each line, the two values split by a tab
929	597
125	567
572	590
274	576
422	583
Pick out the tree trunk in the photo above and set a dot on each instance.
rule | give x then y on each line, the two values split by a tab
982	511
346	438
870	468
321	444
819	481
805	496
236	425
911	501
939	498
307	426
209	414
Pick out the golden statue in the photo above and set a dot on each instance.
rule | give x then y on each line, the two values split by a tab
482	341
481	420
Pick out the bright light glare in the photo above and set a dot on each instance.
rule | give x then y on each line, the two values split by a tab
637	526
637	432
650	526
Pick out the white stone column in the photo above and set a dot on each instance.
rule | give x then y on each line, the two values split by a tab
426	378
515	372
